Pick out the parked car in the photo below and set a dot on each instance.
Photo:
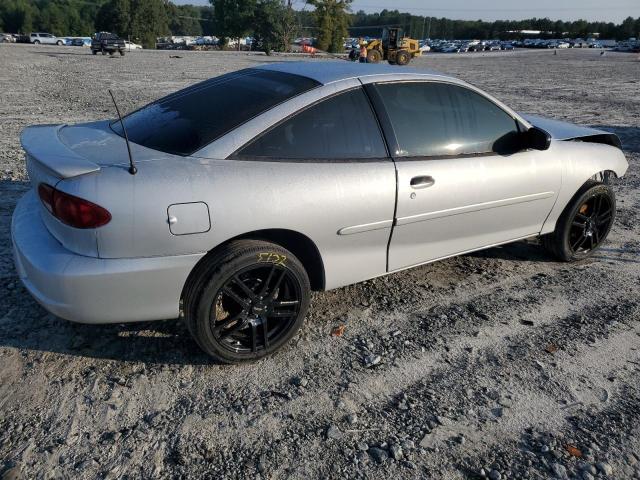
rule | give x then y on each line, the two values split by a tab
292	188
81	42
7	38
129	46
106	42
45	39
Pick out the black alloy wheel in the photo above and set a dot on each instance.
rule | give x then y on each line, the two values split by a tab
246	300
591	224
584	224
255	308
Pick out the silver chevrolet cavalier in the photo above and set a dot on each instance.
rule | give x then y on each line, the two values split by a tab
241	194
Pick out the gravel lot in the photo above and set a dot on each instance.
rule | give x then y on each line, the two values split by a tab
502	363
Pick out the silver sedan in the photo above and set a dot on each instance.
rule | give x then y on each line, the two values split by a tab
243	193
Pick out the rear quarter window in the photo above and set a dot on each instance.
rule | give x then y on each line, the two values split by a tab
342	127
188	120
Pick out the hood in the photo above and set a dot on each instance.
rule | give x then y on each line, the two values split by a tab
568	131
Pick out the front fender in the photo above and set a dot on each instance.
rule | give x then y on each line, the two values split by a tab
580	162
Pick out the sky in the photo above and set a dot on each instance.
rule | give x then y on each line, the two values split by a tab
602	10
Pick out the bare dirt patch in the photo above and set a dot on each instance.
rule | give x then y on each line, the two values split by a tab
503	363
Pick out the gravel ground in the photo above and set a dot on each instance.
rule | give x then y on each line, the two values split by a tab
499	364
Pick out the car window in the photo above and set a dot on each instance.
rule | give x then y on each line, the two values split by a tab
190	119
439	119
341	127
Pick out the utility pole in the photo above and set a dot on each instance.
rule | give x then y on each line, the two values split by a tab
424	20
429	29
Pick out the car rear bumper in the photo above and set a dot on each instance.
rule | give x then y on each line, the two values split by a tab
93	290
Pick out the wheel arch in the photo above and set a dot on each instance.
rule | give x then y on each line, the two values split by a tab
297	243
566	196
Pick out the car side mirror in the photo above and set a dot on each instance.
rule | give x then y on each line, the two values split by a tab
536	139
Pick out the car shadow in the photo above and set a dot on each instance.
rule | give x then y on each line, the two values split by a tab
525	250
56	54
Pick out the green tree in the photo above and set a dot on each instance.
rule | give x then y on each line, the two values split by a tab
114	16
17	16
233	18
184	19
53	19
628	29
269	21
149	20
332	20
140	20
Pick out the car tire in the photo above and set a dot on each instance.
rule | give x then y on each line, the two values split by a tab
403	57
59	43
374	56
94	52
246	300
103	51
584	224
121	53
112	53
36	42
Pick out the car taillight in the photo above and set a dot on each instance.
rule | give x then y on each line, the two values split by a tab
74	211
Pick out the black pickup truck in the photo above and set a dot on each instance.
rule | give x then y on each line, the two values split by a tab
106	42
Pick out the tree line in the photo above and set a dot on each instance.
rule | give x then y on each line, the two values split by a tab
273	23
368	24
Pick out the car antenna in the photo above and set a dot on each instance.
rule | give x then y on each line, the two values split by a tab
132	168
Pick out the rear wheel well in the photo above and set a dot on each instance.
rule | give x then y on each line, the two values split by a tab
300	245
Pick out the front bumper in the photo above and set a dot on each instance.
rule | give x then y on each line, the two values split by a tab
94	290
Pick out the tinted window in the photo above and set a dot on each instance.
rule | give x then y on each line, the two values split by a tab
342	126
436	119
190	119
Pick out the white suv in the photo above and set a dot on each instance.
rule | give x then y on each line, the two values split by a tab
45	38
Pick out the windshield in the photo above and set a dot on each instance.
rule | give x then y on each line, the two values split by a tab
188	120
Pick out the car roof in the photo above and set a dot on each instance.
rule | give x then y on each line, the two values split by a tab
329	71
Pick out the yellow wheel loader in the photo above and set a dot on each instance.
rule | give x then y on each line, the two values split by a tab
393	47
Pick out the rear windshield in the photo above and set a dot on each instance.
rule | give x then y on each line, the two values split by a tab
186	121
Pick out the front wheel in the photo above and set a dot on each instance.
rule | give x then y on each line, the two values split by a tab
36	42
403	57
246	301
584	223
121	53
59	43
374	56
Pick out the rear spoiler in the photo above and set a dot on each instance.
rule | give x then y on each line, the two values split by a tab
42	143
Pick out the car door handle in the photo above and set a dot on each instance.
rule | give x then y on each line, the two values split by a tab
422	182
